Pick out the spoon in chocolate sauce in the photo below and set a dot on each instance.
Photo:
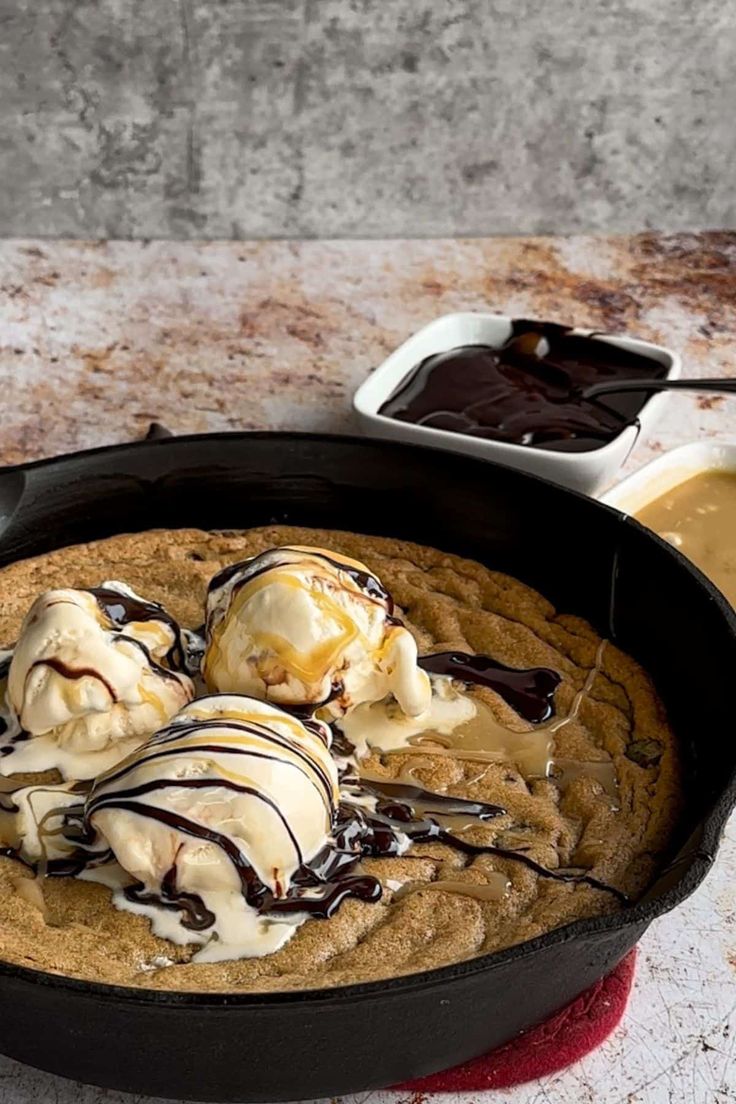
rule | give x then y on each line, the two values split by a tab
596	390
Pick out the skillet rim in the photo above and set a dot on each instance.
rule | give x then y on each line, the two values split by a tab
699	859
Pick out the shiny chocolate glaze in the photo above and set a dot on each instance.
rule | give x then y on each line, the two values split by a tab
121	609
527	391
530	691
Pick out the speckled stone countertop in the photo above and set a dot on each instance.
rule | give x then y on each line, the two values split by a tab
99	340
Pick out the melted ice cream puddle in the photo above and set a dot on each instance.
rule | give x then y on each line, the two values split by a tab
460	726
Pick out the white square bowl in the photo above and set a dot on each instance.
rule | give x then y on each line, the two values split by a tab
669	470
583	471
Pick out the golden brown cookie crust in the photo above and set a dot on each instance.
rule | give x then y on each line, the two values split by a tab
448	602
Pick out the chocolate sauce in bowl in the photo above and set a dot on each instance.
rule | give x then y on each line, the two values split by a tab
526	391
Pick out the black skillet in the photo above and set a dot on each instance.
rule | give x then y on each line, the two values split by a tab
585	557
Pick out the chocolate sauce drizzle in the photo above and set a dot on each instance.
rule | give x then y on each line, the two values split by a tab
305	711
369	584
195	914
252	887
18	738
530	691
405	793
321	884
391	817
73	673
121	609
364	580
4	669
178	729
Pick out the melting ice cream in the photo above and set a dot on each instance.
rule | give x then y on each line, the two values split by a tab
308	628
94	672
214	817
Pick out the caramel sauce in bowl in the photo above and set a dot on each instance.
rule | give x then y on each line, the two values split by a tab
688	497
698	517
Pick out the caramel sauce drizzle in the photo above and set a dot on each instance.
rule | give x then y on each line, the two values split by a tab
258	573
495	889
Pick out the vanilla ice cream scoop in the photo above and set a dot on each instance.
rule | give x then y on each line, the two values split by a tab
213	817
308	627
94	672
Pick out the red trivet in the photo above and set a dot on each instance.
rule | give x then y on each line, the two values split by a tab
568	1036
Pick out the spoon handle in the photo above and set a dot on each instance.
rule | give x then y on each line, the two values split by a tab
727	386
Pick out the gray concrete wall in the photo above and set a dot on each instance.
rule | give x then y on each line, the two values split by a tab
259	118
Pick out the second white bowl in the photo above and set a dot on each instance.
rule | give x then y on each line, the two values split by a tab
669	470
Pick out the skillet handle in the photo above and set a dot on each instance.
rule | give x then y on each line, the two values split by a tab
28	491
13	481
156	431
48	504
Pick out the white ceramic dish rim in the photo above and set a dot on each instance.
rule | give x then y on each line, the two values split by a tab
667	471
387	377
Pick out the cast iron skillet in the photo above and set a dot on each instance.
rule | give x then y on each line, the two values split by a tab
585	557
